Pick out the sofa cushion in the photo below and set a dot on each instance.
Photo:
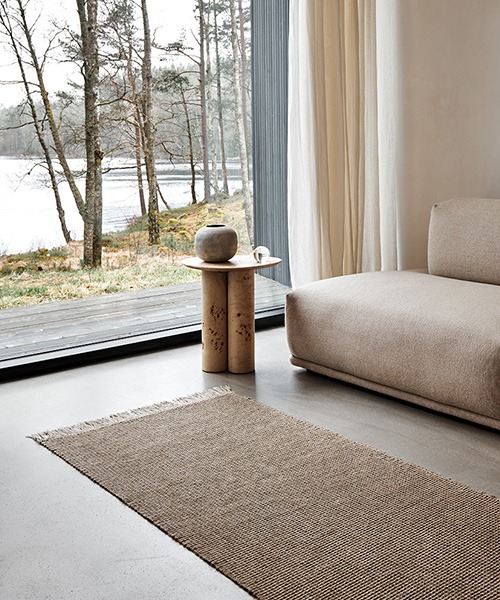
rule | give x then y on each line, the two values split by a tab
464	239
429	336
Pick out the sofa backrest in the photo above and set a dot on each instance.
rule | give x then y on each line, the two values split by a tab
464	239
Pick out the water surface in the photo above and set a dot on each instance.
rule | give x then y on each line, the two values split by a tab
28	216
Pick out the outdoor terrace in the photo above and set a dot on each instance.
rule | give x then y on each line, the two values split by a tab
42	336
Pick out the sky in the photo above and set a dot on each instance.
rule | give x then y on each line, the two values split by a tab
167	19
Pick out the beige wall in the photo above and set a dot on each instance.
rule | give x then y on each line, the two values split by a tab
448	110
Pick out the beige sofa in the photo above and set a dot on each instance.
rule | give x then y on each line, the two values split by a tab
428	338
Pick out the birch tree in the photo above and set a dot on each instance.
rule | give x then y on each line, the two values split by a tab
149	130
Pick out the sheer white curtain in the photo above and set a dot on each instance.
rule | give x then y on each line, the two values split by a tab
342	202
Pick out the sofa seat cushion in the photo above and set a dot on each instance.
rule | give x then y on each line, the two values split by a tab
428	336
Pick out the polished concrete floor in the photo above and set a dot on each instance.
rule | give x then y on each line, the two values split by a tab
63	537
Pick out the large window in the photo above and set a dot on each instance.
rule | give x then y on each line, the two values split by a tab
107	177
143	136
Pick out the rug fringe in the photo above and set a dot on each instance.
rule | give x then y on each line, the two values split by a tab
129	415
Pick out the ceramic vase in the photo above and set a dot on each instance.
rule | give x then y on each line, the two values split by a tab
216	243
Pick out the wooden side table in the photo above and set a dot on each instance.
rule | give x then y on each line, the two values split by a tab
228	312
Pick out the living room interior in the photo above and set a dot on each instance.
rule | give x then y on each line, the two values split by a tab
437	92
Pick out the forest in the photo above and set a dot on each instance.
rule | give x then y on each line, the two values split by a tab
131	95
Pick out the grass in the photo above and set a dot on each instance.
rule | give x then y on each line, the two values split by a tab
21	289
128	262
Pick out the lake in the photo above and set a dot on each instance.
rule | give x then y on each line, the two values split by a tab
28	216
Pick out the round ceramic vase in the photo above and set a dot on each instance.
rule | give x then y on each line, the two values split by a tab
216	243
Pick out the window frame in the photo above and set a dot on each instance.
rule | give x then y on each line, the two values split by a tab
269	61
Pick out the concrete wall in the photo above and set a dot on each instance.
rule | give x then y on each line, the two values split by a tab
448	110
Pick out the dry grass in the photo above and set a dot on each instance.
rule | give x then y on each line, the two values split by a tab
128	261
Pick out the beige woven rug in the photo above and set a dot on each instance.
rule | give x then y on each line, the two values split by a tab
288	510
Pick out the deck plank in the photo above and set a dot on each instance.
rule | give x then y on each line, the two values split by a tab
51	327
94	305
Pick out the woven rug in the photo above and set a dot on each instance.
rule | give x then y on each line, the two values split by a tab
288	510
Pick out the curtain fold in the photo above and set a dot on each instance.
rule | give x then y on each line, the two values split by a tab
303	205
335	209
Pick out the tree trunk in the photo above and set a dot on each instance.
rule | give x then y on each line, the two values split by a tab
247	196
137	127
225	185
149	131
138	167
190	142
244	79
203	101
162	198
210	108
97	228
92	229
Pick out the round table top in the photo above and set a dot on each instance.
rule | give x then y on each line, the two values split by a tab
237	263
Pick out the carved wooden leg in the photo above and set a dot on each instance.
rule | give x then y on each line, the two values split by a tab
240	321
214	321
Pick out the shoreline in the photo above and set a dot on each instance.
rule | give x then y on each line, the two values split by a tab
129	262
28	216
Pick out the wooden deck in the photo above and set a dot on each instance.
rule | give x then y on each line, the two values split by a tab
35	333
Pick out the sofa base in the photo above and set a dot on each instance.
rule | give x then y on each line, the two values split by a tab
395	393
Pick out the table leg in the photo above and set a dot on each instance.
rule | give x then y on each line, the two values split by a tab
214	321
241	321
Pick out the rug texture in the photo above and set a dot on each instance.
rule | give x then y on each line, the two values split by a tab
289	510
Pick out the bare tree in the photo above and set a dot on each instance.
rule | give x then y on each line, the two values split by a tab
138	129
6	24
240	118
203	100
211	117
179	82
182	85
26	30
218	78
122	38
149	131
244	76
